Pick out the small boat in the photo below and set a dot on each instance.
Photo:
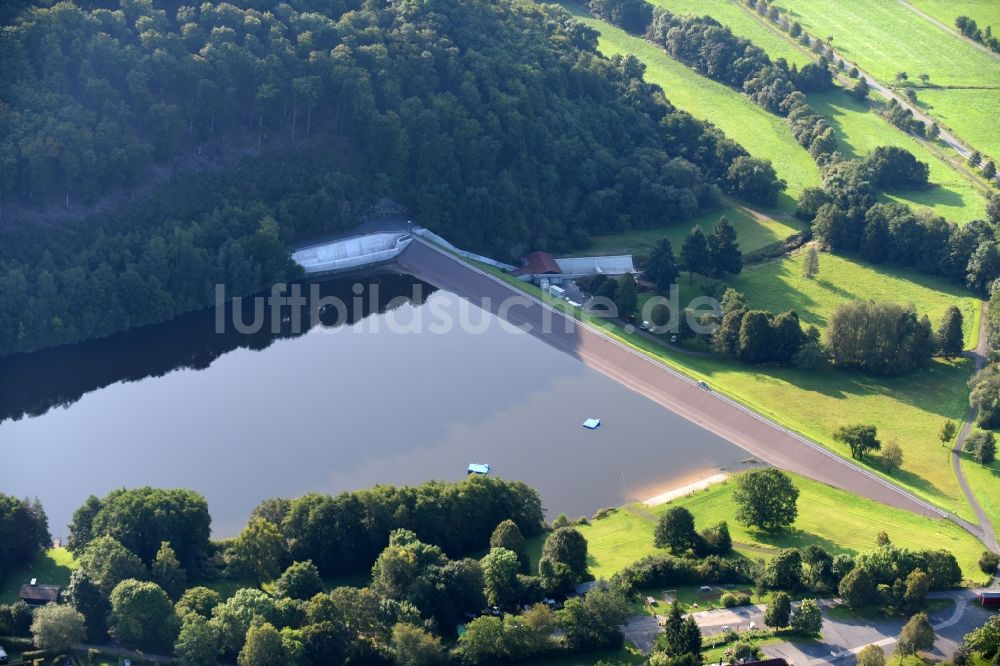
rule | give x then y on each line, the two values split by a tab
592	423
479	468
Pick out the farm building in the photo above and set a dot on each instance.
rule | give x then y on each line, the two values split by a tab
544	269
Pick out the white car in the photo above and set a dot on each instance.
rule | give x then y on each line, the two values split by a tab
3	656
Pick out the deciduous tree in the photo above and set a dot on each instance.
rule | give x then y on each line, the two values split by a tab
675	530
916	635
949	334
807	619
778	611
860	438
142	615
766	499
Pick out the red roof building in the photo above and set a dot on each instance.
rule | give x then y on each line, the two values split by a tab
538	263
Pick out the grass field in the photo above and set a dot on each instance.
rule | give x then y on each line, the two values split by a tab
859	131
909	409
985	483
53	568
763	134
836	520
985	12
779	286
753	233
885	38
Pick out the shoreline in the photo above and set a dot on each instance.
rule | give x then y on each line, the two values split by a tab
686	489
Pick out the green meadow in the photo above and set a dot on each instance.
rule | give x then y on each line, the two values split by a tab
985	12
838	521
754	230
985	484
885	38
859	131
763	134
779	286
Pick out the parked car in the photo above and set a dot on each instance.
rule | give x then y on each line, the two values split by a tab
3	655
703	385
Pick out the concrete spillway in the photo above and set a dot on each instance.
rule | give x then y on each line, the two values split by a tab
350	253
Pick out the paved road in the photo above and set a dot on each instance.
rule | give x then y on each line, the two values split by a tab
950	30
980	354
763	439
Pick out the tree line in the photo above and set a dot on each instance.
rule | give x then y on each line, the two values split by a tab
24	532
846	217
968	27
382	100
423	581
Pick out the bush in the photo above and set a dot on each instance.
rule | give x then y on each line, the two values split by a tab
657	570
776	249
988	562
733	600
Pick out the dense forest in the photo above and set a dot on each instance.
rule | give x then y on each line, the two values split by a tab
497	124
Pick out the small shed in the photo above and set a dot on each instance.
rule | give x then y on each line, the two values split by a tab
34	594
591	424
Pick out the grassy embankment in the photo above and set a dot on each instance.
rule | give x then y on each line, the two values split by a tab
909	409
885	38
833	519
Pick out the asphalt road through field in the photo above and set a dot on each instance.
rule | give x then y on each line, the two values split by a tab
763	439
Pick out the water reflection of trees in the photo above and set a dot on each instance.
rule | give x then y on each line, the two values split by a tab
32	384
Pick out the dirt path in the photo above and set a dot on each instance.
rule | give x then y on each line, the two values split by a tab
980	354
950	30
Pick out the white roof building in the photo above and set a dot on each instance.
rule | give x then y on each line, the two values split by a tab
618	264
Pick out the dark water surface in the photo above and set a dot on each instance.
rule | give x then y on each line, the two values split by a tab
345	405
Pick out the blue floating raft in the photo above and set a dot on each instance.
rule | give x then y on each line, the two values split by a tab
592	423
477	468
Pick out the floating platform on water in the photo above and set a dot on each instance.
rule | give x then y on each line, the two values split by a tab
592	423
479	468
